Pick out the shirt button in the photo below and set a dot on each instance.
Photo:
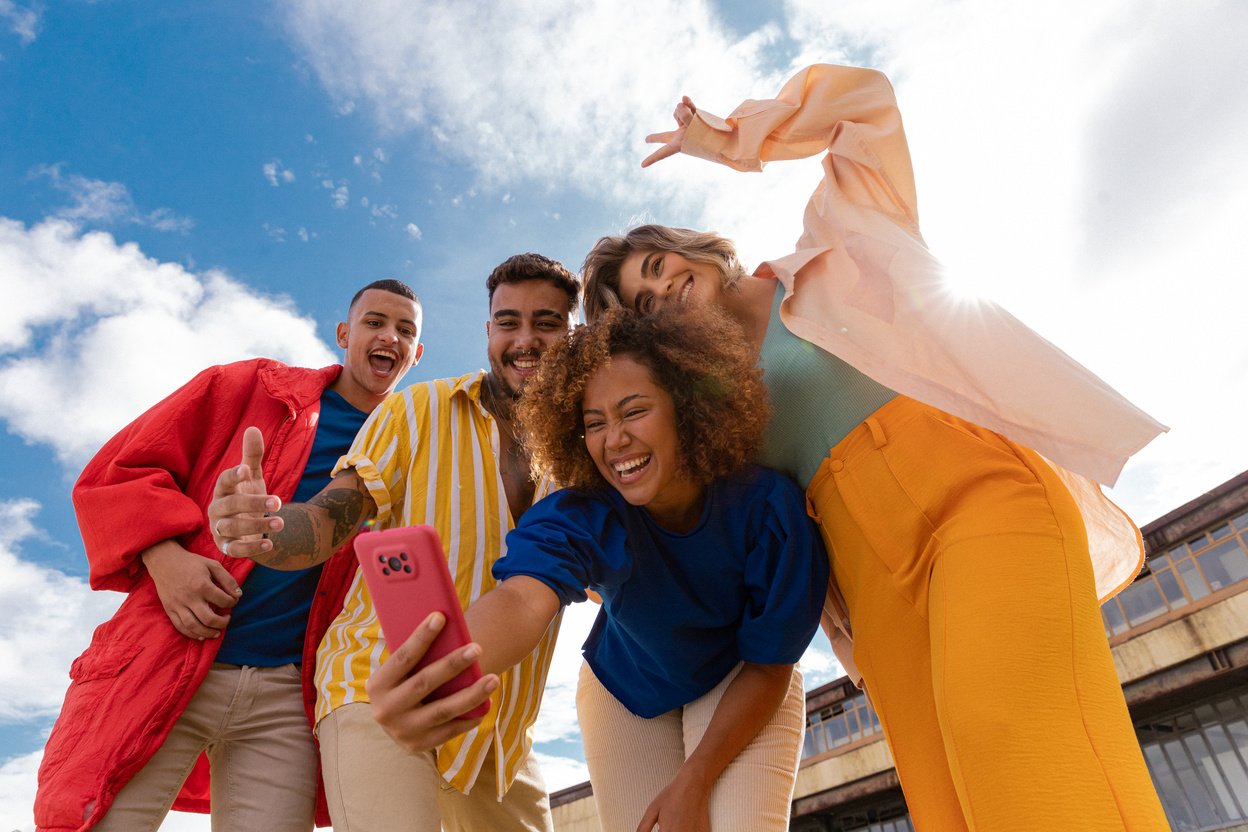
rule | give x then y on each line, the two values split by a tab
837	466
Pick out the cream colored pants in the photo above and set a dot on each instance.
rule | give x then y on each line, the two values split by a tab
373	785
251	722
632	759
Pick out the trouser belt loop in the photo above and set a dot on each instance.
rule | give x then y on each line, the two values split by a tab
877	432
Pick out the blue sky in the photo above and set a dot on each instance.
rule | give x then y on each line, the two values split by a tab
185	184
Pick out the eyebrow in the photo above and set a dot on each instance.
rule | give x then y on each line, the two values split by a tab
387	317
618	404
537	313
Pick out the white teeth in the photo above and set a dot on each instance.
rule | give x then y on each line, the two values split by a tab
630	465
525	363
684	294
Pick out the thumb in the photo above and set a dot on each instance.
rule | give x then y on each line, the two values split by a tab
253	451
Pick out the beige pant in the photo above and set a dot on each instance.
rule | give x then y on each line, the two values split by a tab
373	785
251	722
632	759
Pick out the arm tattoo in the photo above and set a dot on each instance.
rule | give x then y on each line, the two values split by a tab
315	530
345	507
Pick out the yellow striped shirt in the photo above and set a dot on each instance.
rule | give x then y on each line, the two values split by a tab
429	454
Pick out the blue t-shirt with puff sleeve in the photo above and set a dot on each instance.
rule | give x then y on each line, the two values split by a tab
679	611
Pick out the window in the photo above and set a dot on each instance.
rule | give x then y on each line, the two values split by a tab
840	724
1204	564
1198	758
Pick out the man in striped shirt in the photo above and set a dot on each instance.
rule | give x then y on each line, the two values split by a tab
442	453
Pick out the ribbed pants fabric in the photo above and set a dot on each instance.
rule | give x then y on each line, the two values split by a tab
632	759
964	564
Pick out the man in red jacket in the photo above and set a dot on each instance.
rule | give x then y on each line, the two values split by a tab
211	656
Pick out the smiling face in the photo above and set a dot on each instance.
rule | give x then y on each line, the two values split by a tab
631	436
526	318
650	279
381	337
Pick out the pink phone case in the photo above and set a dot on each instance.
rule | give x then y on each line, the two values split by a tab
406	573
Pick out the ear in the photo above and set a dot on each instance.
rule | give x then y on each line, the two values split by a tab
420	350
487	329
342	334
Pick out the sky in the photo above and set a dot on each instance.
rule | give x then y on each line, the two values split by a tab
185	184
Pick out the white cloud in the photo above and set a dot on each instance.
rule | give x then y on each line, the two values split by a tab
277	174
49	618
22	21
485	84
561	772
340	195
413	231
276	232
111	331
386	211
94	201
304	234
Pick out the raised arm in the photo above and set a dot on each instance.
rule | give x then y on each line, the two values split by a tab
248	522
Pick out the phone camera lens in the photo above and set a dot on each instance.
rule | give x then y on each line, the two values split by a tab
395	564
407	569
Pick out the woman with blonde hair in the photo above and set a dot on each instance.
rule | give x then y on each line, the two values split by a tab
949	454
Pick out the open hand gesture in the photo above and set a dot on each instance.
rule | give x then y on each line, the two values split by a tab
239	512
671	140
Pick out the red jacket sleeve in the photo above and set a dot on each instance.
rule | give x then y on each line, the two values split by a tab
134	492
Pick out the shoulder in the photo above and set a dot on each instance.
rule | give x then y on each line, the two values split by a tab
754	482
571	507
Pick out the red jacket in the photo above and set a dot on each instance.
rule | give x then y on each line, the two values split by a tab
152	482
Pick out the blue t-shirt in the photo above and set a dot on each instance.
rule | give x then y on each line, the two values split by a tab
679	611
267	625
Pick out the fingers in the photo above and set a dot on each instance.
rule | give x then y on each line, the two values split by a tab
224	591
403	660
230	524
661	138
186	623
650	818
662	153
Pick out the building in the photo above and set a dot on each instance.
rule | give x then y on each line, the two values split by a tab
1179	637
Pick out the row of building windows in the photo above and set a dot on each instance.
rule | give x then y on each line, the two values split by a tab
1198	758
1185	573
840	724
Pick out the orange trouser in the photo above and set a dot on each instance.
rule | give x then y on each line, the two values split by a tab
964	563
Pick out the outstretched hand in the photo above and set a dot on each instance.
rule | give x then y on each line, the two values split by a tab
239	512
398	695
671	140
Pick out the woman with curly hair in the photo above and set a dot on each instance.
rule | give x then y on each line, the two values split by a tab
967	566
710	572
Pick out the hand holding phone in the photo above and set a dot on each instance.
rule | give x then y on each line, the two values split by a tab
407	577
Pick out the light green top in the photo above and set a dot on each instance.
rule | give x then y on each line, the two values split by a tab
816	399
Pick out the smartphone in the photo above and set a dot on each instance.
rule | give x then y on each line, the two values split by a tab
406	573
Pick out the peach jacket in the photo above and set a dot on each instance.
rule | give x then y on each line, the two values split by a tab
863	286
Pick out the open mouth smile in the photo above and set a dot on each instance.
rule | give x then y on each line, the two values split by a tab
627	470
383	361
685	292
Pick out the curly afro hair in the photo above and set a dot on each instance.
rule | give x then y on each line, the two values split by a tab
701	358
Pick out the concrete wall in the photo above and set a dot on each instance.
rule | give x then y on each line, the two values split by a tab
1214	626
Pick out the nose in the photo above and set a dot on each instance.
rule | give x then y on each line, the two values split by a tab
526	338
617	436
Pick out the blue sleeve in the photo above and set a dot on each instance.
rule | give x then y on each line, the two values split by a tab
569	541
786	576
